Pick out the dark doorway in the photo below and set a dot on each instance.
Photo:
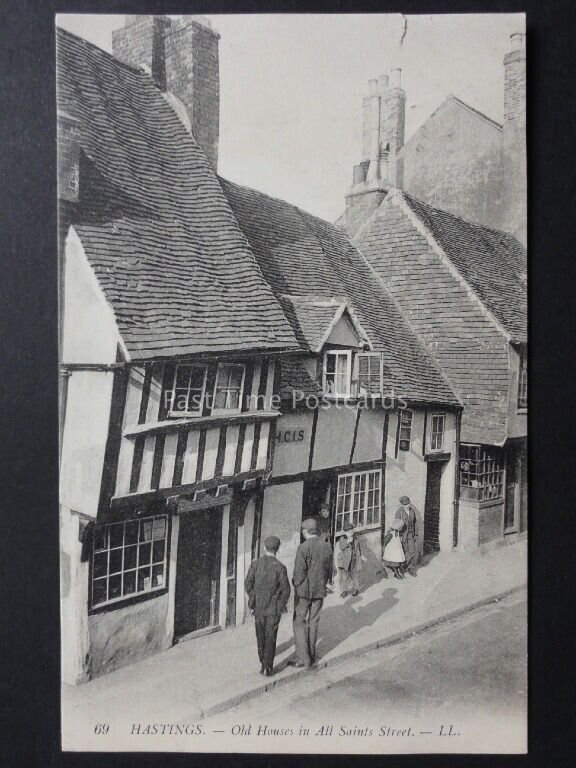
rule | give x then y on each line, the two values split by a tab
198	571
316	495
432	507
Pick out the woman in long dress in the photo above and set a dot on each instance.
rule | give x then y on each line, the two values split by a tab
393	555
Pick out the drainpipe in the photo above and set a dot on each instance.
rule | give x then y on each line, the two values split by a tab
456	501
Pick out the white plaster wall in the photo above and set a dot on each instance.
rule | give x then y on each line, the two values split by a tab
282	516
75	642
90	333
369	437
84	439
334	435
292	457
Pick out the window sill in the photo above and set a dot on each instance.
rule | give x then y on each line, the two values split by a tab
198	422
365	529
126	602
437	456
522	411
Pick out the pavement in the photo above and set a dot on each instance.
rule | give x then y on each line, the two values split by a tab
210	674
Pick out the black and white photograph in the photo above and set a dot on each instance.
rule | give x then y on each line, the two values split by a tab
293	383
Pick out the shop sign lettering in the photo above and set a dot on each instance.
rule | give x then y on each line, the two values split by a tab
290	436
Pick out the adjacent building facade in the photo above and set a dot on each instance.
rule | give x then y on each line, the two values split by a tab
230	364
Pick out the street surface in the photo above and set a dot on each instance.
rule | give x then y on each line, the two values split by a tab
468	672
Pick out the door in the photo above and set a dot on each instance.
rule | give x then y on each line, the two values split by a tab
315	503
198	571
432	507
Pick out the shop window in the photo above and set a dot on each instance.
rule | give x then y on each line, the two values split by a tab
437	431
229	388
405	429
523	379
128	559
481	472
358	499
337	373
186	392
369	373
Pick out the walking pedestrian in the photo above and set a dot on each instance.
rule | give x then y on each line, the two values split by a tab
312	569
268	591
393	554
349	559
409	534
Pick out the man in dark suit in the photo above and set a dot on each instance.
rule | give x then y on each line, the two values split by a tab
312	570
268	591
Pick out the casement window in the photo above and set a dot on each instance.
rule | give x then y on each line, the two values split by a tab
437	431
405	429
229	388
185	396
128	559
369	373
337	373
523	379
358	499
481	472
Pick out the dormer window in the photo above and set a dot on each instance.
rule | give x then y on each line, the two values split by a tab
369	373
337	373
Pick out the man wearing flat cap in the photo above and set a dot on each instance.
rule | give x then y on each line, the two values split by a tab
268	591
312	571
409	534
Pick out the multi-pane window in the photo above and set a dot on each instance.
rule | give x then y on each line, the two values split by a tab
128	559
358	499
405	429
186	394
228	389
523	379
481	472
369	373
337	373
437	431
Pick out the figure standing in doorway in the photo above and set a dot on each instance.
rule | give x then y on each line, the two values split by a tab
268	591
312	570
409	534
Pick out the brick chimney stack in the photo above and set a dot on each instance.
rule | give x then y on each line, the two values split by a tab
383	111
514	208
182	58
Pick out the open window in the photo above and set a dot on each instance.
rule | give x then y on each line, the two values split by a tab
337	373
368	373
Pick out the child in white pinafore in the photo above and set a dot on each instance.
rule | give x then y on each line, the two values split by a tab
393	555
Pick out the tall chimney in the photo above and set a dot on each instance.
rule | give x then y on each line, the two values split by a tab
514	207
182	58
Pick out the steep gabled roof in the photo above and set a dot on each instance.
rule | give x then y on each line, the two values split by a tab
313	318
492	263
157	229
301	255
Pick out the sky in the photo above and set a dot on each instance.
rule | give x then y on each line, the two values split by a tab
292	86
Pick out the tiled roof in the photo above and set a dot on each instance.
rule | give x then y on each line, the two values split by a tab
493	263
301	255
295	377
156	227
312	318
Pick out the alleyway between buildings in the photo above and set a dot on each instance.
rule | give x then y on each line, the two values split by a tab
212	673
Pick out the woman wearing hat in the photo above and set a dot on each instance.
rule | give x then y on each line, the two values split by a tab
407	514
349	560
393	555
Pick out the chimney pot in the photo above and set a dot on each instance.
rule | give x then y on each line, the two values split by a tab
383	82
516	41
396	78
372	86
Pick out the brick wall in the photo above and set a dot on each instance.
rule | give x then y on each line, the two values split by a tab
453	162
514	209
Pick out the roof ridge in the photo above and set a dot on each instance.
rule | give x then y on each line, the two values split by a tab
473	109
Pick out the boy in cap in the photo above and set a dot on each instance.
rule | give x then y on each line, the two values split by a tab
349	560
268	591
312	570
409	534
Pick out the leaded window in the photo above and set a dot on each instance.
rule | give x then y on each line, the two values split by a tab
481	472
358	499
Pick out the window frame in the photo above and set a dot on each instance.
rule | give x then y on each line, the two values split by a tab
136	595
486	471
339	517
183	414
433	432
226	411
405	412
336	353
356	378
522	393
